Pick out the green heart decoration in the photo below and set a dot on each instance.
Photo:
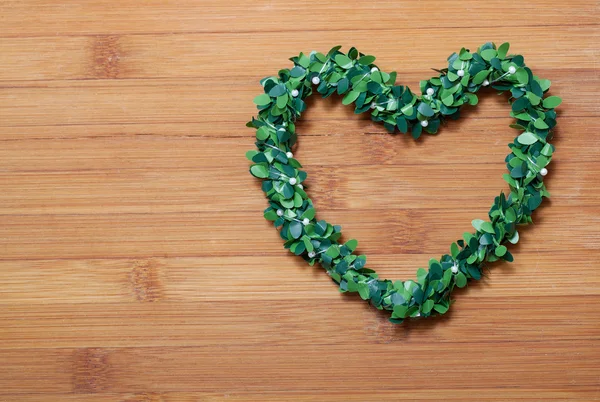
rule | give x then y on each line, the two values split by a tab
354	76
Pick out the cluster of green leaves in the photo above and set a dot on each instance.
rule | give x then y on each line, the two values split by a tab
353	76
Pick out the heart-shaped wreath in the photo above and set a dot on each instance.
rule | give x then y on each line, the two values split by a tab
354	76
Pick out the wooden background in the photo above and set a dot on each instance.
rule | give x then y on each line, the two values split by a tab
135	264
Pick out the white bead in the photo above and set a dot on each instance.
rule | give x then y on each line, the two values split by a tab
424	123
373	105
544	171
279	212
512	69
374	69
293	181
485	83
300	186
312	254
289	154
460	73
305	221
430	91
295	93
454	269
316	80
418	315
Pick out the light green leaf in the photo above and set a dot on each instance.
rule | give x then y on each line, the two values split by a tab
333	251
503	50
363	291
551	102
427	306
540	124
308	214
522	76
366	60
421	275
527	138
477	224
262	100
440	308
454	250
448	100
352	244
350	97
500	251
262	133
282	101
487	227
488	54
400	310
343	61
461	280
260	171
480	77
547	150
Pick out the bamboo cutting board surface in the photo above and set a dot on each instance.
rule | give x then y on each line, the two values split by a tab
135	264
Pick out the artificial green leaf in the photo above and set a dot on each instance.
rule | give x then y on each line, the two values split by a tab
427	306
262	100
503	50
527	138
522	76
363	291
260	171
296	229
540	124
308	214
461	280
366	60
402	124
500	251
421	275
488	54
343	61
551	102
480	77
400	311
487	227
440	308
262	133
282	100
547	150
520	104
333	252
425	109
350	97
448	100
277	90
251	154
351	244
477	223
454	250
